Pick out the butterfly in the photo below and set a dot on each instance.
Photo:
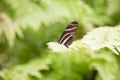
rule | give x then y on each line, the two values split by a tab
68	34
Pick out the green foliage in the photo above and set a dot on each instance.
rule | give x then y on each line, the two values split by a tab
83	61
103	37
34	13
29	30
25	71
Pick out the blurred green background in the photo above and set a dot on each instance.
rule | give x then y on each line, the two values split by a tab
27	26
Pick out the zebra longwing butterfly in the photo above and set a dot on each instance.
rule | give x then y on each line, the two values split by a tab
68	34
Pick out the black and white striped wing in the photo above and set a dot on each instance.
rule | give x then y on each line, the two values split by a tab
68	34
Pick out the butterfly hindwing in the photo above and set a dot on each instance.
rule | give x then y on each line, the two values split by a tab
68	34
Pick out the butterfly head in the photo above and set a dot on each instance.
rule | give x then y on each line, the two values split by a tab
74	23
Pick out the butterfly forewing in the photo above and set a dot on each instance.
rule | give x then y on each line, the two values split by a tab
68	34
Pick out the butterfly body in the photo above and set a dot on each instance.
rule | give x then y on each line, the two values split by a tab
68	34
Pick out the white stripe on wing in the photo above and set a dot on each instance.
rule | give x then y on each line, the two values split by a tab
70	29
66	39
